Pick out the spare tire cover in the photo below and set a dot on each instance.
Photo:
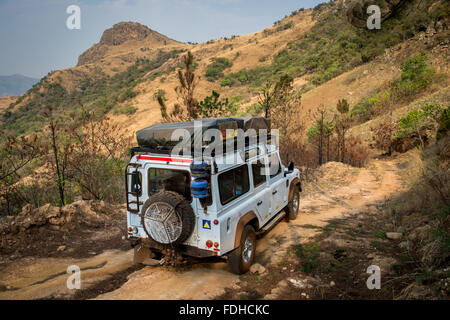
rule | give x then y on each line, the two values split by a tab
168	218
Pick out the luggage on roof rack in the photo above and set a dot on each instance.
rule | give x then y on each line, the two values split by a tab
159	136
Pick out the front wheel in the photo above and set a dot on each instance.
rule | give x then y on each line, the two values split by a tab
293	205
241	259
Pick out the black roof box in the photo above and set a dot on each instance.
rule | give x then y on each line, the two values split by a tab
160	135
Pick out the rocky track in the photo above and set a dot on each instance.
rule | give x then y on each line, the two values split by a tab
337	191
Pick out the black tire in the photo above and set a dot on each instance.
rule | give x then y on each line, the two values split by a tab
236	262
292	209
168	229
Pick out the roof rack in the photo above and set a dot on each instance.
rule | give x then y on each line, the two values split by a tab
227	145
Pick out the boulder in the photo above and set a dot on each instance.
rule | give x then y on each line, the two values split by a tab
393	235
26	210
257	268
420	233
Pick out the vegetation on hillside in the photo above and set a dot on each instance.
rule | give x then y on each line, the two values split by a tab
334	46
69	158
100	95
416	77
214	71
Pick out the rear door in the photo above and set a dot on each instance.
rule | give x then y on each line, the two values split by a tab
134	188
277	182
261	189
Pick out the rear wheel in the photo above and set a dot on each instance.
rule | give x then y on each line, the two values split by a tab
241	259
294	204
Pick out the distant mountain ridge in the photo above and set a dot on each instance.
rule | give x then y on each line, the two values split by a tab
15	84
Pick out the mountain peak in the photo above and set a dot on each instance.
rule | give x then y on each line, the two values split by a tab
124	31
117	35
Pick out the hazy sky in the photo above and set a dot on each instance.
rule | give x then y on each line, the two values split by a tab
35	39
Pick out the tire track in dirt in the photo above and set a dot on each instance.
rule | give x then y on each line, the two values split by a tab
50	277
47	277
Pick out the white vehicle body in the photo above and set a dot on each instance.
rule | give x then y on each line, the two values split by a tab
221	222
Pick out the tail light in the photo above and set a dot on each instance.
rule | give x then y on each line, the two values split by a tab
209	243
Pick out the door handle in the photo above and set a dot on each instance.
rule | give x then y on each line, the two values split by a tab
259	203
274	192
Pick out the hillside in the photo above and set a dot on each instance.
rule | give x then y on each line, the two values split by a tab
363	114
15	84
318	47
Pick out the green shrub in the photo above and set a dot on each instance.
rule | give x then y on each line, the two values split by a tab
227	82
417	119
127	110
285	26
415	77
214	71
255	109
308	255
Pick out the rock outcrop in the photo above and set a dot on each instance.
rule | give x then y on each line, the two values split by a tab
89	213
116	36
124	31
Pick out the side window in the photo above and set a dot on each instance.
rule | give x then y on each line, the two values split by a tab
274	165
259	174
233	184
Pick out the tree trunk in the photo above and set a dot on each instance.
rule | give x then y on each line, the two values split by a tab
58	171
328	148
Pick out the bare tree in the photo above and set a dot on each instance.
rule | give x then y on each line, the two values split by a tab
284	113
266	97
97	157
320	133
285	109
16	154
57	150
342	124
185	91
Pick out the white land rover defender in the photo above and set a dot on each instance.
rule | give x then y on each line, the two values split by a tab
215	204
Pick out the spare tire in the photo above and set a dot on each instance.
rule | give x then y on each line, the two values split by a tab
168	218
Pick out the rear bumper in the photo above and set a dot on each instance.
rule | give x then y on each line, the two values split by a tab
183	249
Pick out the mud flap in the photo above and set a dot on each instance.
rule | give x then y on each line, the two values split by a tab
145	256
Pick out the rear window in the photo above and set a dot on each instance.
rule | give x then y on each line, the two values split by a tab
233	184
259	175
169	180
136	183
274	165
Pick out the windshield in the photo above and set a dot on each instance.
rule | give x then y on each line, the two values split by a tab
169	180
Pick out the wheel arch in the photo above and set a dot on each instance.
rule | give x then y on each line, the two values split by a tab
248	218
295	182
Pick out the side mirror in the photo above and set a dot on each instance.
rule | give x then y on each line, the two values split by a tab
290	166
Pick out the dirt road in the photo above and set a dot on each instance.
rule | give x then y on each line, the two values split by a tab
337	192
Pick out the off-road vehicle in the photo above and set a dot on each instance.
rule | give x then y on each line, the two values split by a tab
215	204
